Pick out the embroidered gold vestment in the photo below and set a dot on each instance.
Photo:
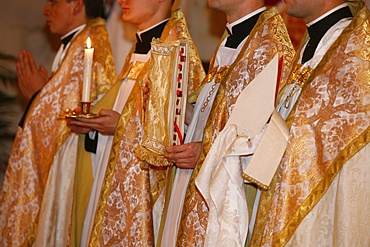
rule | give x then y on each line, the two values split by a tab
330	125
42	135
267	38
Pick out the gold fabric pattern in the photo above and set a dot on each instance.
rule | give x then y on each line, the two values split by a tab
212	72
135	70
167	101
267	38
127	66
124	213
301	75
42	135
330	124
220	74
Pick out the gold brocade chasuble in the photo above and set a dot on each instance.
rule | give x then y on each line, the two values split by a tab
124	213
42	135
330	123
267	38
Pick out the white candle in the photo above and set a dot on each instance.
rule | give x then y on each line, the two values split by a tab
88	60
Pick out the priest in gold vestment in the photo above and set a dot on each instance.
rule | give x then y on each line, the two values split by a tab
43	135
125	190
256	36
321	194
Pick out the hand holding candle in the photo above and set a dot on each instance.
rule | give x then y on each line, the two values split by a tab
88	60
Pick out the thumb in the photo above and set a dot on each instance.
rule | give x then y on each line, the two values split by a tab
43	72
105	112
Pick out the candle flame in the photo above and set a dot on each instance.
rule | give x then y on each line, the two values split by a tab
88	43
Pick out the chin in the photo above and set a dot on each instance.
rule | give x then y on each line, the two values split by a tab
126	17
52	30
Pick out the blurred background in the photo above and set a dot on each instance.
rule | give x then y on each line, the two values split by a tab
22	26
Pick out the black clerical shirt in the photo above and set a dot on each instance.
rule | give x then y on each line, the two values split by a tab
142	45
317	30
240	31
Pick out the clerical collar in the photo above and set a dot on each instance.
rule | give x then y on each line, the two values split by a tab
143	38
240	29
327	13
321	25
66	38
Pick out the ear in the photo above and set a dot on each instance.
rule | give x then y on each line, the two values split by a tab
79	4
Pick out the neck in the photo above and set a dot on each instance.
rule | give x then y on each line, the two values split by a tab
144	28
244	10
163	13
77	23
322	9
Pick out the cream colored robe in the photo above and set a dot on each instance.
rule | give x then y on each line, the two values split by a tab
42	136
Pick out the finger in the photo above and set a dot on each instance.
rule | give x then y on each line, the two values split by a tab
77	110
31	62
23	60
21	56
79	130
43	72
176	157
186	165
176	149
22	83
99	120
20	71
83	124
20	64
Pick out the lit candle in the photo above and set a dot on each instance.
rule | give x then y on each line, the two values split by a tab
88	60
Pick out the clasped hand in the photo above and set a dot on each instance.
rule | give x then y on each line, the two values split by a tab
30	78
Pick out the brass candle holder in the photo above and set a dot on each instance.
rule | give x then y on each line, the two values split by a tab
85	112
85	107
